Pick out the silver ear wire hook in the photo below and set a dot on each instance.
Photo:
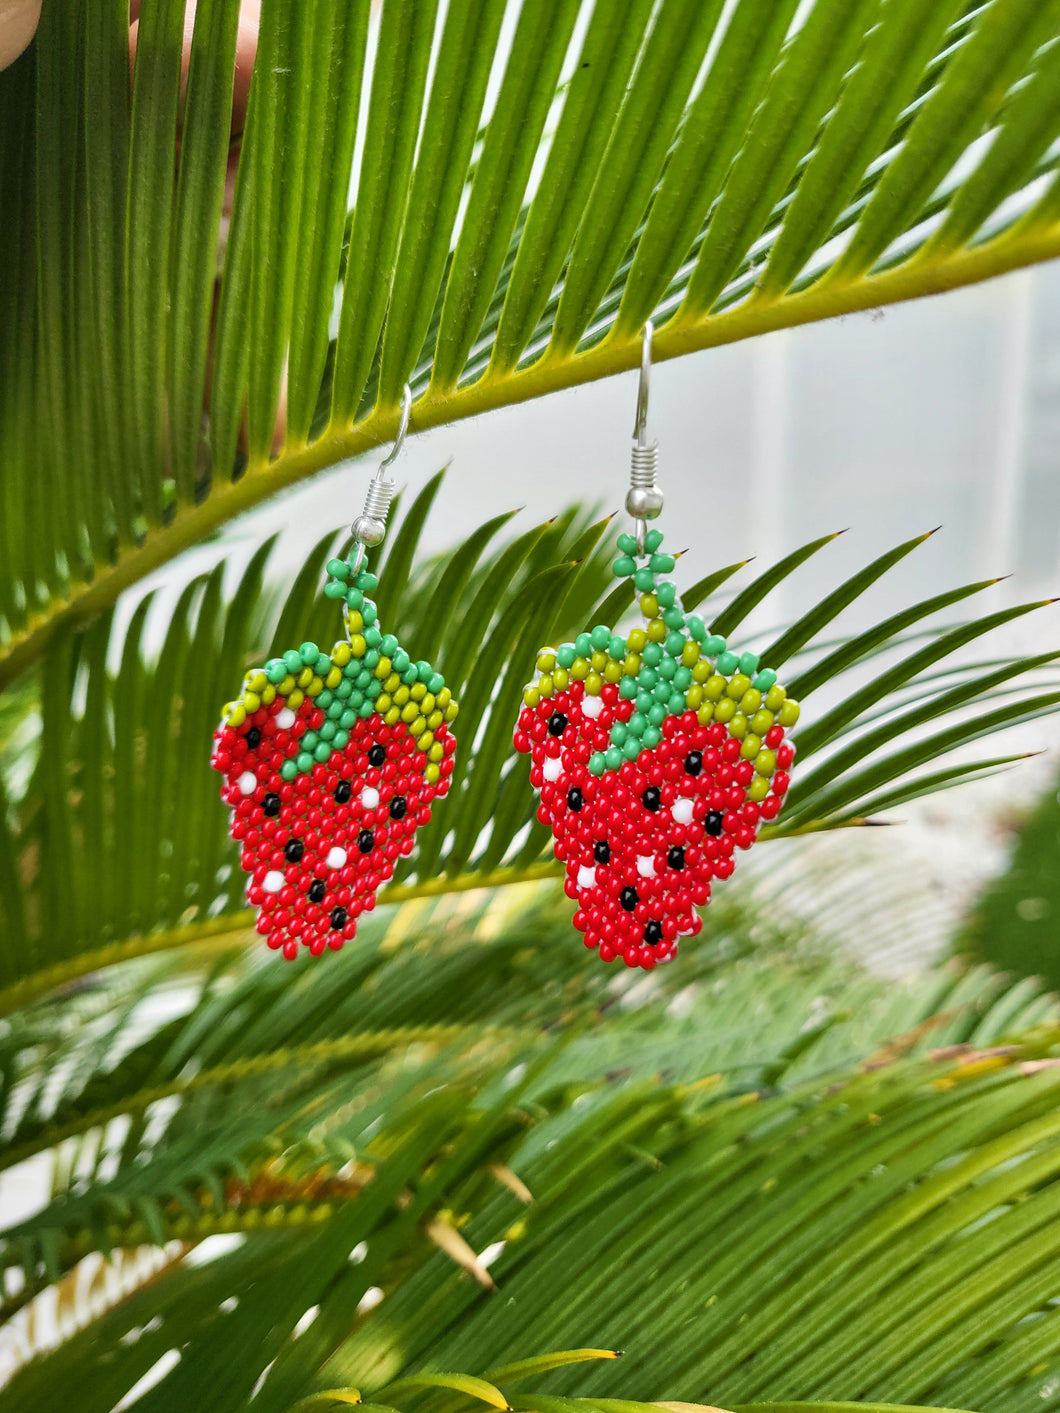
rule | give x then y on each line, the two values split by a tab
644	500
370	526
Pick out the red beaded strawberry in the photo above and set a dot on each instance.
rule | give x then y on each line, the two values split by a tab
331	762
656	756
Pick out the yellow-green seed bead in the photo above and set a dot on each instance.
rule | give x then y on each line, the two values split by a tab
737	725
761	721
409	712
417	726
341	654
705	714
286	687
751	701
401	695
295	698
636	641
393	716
694	696
545	684
358	645
316	686
236	713
427	703
758	788
631	666
546	661
789	713
305	677
657	631
579	669
435	719
383	668
649	605
251	701
443	698
689	654
356	624
257	681
268	696
599	660
392	683
775	697
561	677
418	691
594	684
702	671
714	688
766	762
752	744
613	672
725	709
432	775
426	738
382	704
436	752
737	686
451	711
333	678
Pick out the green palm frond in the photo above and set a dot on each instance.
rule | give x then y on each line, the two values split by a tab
119	847
753	1182
530	188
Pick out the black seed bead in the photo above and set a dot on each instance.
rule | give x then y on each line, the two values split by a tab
557	724
602	851
676	856
365	840
575	799
693	762
713	822
293	850
343	792
377	755
317	889
653	933
253	739
652	798
629	899
271	804
338	918
398	807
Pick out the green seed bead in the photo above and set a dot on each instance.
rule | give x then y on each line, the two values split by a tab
619	733
627	544
627	688
652	540
322	665
697	628
304	761
323	752
348	718
675	643
425	672
309	740
373	638
565	655
676	704
583	645
365	710
728	663
309	652
374	689
435	683
355	599
596	763
657	715
766	762
614	756
652	737
644	579
369	612
335	708
632	749
764	680
334	590
617	648
600	637
327	731
371	659
644	700
276	670
652	654
388	645
636	724
341	740
411	675
647	677
338	569
623	566
366	580
292	661
662	563
673	618
749	664
682	678
667	596
713	645
662	691
288	770
667	668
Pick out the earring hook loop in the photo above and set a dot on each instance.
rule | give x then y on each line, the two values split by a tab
644	385
402	432
370	526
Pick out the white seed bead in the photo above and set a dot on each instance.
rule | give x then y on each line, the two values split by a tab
592	706
336	857
646	866
248	782
369	797
684	811
553	768
273	881
586	877
285	719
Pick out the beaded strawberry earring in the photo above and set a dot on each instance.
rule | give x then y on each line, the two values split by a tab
331	761
656	754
